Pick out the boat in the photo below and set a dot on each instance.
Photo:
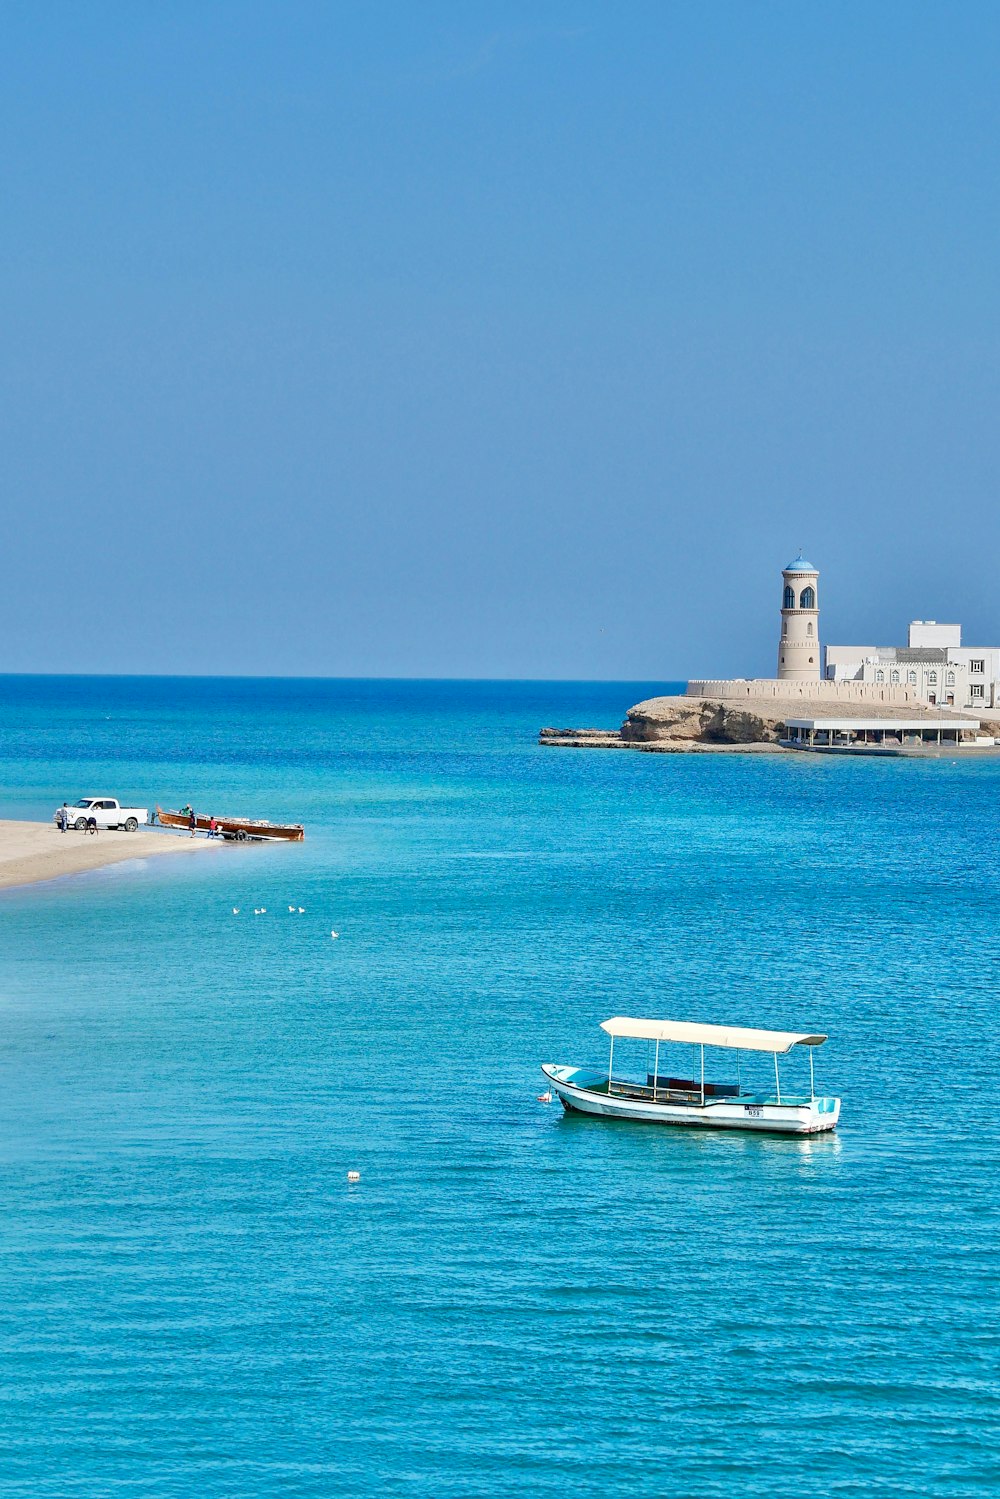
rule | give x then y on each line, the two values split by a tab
240	828
685	1099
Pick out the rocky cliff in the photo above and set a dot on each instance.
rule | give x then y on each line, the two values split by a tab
708	720
705	723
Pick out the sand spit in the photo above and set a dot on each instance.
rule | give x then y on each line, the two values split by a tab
35	851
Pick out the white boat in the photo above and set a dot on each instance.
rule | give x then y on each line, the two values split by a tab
668	1098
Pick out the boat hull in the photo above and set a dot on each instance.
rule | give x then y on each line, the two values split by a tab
233	827
580	1091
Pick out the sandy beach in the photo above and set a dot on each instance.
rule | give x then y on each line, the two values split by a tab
34	851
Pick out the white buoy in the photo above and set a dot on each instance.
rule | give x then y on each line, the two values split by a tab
354	1176
291	908
302	910
334	935
236	910
545	1097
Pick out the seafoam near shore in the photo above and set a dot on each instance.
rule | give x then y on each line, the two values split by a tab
34	851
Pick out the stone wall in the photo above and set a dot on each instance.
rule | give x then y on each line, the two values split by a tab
758	690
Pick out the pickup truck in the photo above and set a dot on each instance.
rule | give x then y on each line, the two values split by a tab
107	813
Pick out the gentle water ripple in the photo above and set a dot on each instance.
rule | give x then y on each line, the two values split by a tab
511	1301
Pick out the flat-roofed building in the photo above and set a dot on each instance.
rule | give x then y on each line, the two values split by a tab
933	663
895	733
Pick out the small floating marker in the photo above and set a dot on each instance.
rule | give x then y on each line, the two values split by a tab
354	1176
302	910
334	935
236	910
291	908
545	1097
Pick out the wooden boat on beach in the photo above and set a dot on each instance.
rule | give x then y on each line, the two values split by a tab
239	828
661	1098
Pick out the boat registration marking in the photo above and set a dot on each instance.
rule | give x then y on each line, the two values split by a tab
753	1109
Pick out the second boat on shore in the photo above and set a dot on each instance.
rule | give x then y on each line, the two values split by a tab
241	828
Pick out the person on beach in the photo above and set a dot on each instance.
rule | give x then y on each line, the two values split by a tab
61	818
212	828
192	821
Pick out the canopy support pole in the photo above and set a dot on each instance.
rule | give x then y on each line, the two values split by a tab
656	1067
703	1076
739	1076
611	1063
812	1082
777	1079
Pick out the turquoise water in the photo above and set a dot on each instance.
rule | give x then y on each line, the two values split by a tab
193	1299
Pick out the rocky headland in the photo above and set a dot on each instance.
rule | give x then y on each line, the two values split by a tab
683	724
662	724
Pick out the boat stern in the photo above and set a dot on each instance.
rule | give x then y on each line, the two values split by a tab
572	1085
825	1112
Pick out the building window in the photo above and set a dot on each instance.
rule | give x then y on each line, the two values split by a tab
784	628
809	628
894	678
911	677
949	680
977	690
977	665
789	599
808	598
880	676
932	678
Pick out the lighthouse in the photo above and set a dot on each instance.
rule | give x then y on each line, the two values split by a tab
798	649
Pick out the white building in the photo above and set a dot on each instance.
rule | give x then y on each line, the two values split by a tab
934	663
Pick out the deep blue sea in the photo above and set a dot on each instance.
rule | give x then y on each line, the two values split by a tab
195	1302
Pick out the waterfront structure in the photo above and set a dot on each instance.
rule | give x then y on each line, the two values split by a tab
860	734
798	648
934	665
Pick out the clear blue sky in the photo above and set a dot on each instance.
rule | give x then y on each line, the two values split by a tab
483	339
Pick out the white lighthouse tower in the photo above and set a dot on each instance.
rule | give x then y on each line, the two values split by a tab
798	651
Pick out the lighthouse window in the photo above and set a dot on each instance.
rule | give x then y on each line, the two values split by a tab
789	602
808	598
809	628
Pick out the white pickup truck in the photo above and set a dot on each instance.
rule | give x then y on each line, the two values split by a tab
105	811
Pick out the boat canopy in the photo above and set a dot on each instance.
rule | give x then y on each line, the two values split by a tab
735	1037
